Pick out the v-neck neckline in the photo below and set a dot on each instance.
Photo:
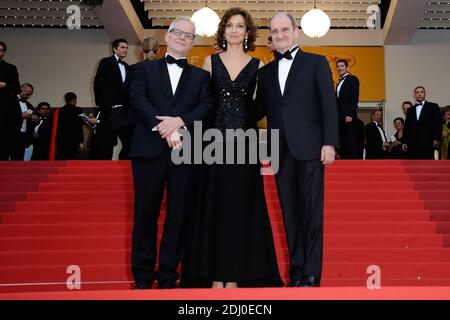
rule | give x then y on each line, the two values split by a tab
228	73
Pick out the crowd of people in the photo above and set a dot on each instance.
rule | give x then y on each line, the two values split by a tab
423	134
22	125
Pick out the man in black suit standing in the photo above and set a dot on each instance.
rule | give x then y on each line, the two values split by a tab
42	131
9	88
19	117
347	94
296	93
109	90
166	94
69	137
377	145
423	127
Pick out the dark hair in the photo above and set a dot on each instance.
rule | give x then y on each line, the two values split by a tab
269	38
445	110
69	96
408	102
252	31
399	118
40	105
116	43
24	85
345	61
418	87
2	44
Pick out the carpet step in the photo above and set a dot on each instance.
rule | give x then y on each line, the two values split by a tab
20	243
85	187
121	229
65	217
92	257
351	205
99	195
275	216
331	271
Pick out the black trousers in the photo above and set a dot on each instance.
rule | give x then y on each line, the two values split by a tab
103	140
350	140
300	187
421	151
126	138
151	176
17	145
4	144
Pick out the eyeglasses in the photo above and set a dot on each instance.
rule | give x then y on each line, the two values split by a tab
187	35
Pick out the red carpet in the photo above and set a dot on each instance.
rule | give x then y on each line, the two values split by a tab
393	214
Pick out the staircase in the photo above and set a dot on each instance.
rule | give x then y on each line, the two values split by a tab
391	214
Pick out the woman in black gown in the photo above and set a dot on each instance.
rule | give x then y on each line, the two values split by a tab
230	241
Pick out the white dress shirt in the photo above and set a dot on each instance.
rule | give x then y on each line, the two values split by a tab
338	89
24	108
419	109
123	73
284	66
174	74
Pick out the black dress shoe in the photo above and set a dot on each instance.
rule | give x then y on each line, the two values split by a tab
310	282
141	285
294	283
167	285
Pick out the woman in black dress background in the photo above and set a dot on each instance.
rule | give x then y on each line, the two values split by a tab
230	241
396	148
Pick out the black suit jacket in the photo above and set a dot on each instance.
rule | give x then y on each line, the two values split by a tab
70	128
151	95
41	143
427	129
109	89
306	114
8	75
374	142
348	99
14	116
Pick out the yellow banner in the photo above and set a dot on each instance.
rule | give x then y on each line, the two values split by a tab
367	63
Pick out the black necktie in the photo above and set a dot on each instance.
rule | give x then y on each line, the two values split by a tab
179	62
287	55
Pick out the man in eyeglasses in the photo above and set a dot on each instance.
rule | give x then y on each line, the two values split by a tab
9	88
166	94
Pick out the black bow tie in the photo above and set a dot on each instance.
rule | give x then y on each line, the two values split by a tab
342	78
287	55
22	100
180	62
419	104
120	62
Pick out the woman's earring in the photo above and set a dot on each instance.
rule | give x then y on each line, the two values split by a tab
224	43
246	43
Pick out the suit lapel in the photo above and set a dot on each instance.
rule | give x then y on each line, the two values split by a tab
165	79
115	64
184	81
296	67
274	71
127	73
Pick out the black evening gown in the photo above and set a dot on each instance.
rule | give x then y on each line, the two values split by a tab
229	237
